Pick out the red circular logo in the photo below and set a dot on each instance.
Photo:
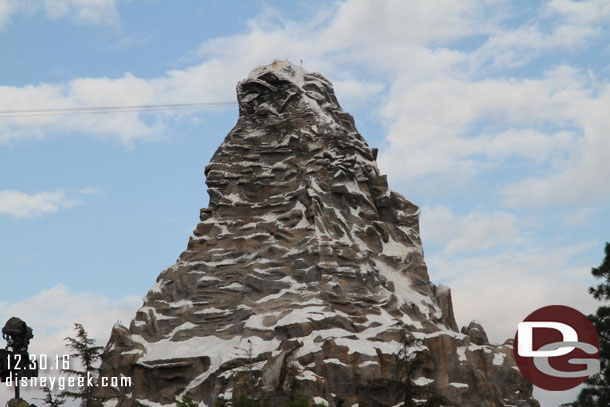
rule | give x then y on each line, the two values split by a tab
556	348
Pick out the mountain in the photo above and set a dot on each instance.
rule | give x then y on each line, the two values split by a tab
306	275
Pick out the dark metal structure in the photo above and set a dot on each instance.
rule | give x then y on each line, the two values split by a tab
15	360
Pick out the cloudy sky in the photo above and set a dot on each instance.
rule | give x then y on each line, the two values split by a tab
492	116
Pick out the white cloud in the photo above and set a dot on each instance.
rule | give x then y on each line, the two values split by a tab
7	9
557	25
354	93
89	11
437	106
126	127
580	12
516	47
444	109
578	217
501	290
22	205
585	178
472	232
433	130
430	22
229	59
130	41
101	12
53	312
90	191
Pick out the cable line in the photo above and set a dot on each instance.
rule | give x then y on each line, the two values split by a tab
109	109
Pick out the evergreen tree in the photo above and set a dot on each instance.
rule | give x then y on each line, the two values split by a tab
297	400
51	400
84	351
411	357
597	388
187	401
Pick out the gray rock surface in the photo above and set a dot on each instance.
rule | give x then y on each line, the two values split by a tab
477	334
300	275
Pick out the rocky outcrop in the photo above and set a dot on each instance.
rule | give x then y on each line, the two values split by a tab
303	276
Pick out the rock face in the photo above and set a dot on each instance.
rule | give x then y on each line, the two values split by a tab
303	276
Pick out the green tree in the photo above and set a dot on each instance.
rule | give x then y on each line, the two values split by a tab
245	401
596	392
411	357
297	400
84	351
186	402
247	384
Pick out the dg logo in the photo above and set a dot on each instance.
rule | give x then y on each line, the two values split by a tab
556	348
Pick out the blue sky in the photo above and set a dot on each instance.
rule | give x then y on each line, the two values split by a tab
492	116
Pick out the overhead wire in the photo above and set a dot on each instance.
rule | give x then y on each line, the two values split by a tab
10	113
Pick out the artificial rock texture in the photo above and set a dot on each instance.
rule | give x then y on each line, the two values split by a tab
301	277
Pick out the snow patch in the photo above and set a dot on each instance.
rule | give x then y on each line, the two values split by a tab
213	310
461	352
499	359
181	303
335	361
233	287
422	381
307	375
320	400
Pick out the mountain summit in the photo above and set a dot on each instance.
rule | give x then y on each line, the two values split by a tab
306	275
